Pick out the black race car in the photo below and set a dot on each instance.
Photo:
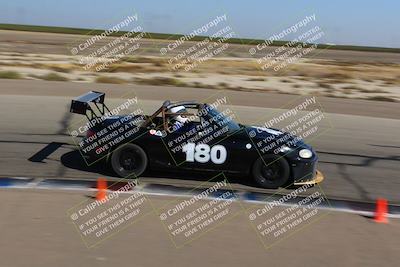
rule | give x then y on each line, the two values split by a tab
192	136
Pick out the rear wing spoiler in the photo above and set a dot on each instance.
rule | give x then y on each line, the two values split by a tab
81	105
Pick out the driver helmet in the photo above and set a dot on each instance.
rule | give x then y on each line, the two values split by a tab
178	117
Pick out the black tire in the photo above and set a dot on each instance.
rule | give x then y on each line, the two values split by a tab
129	159
271	171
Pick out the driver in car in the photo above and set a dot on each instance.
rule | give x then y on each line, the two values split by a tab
179	121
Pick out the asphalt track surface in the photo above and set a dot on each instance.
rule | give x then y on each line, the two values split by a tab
40	234
359	155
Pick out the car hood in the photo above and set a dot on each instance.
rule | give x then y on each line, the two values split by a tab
261	133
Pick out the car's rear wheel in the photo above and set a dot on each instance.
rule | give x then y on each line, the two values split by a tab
129	160
271	171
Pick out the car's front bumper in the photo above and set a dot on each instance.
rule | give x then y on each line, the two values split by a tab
316	179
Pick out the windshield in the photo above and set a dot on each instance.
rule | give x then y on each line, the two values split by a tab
222	119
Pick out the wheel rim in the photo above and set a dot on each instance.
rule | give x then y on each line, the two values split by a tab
271	172
130	160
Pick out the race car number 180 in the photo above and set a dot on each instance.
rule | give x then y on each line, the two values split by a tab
203	153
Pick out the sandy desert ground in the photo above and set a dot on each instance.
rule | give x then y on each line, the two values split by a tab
344	74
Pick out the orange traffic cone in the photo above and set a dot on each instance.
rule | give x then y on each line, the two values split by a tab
101	189
381	211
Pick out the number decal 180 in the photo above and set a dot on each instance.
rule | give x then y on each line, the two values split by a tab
203	153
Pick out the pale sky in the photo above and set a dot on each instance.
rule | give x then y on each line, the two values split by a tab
355	22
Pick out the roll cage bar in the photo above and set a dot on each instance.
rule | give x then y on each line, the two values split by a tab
167	105
92	106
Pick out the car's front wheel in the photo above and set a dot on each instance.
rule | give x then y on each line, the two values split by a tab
129	159
271	171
